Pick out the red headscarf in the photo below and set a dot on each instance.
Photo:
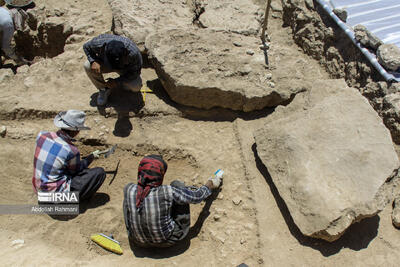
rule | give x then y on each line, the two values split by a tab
150	174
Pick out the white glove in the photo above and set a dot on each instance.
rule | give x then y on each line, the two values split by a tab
96	154
216	181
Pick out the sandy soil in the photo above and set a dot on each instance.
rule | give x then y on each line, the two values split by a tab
246	222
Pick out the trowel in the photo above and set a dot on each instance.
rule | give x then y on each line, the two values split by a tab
107	152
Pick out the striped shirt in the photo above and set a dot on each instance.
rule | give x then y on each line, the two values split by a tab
55	162
154	223
132	61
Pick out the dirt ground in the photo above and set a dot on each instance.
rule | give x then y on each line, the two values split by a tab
246	222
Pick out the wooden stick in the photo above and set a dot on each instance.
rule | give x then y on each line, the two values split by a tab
265	20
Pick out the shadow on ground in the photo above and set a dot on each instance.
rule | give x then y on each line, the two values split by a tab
214	114
160	253
123	102
9	66
97	200
357	236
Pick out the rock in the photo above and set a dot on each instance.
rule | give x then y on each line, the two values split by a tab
59	12
365	37
394	88
236	200
389	56
3	131
75	39
309	4
391	115
374	90
237	44
250	52
90	31
245	70
396	213
217	217
329	156
196	70
276	6
17	243
136	19
341	14
271	84
6	74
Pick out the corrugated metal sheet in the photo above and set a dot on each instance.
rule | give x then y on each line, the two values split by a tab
381	17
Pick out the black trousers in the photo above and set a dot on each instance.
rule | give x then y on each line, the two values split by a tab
87	182
181	215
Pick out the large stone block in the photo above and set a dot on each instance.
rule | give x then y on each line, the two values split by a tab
205	68
329	155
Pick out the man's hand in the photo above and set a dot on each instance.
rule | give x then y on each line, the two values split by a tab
96	154
112	83
214	182
95	66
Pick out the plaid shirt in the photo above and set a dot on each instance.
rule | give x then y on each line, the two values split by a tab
55	162
154	223
132	61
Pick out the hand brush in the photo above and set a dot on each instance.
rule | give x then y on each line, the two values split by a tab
107	242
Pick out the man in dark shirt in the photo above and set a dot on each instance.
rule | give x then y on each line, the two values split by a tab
112	53
158	215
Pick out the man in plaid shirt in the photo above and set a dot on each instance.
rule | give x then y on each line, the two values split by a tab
58	166
112	53
158	215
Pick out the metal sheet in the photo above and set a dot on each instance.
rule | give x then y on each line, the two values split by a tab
381	17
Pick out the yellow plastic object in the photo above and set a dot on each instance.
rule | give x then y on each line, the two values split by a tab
144	91
107	243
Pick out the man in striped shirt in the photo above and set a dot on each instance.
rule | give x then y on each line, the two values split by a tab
112	53
158	215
